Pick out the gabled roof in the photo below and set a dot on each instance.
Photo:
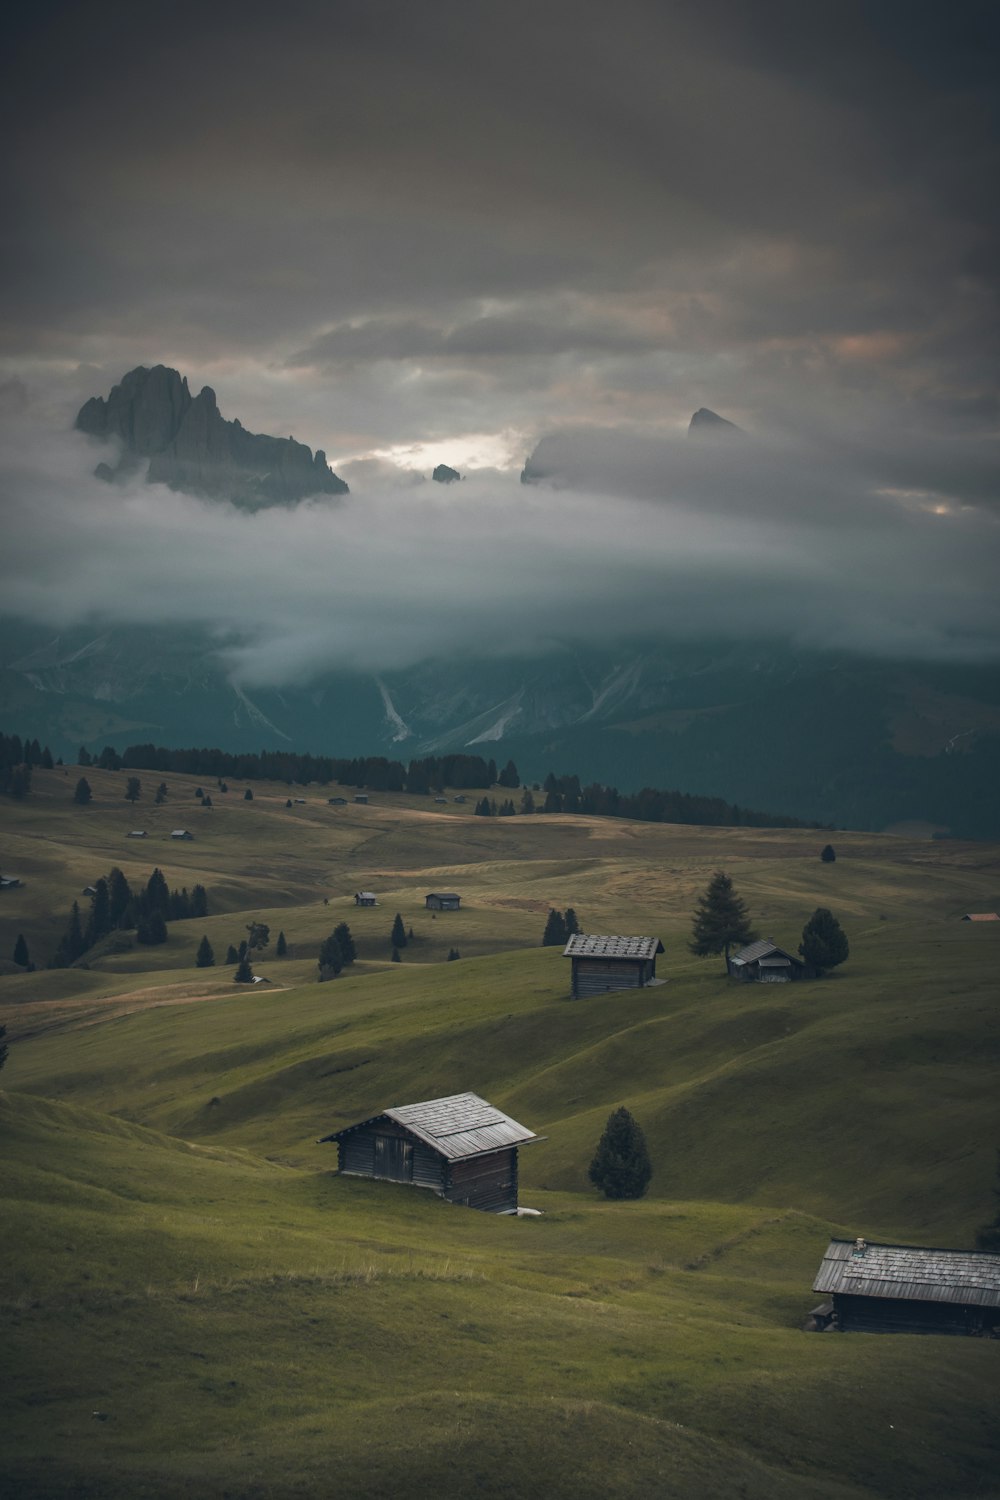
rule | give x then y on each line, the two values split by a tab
444	895
457	1126
981	916
591	945
911	1273
764	949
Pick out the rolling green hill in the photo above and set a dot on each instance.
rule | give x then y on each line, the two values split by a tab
198	1304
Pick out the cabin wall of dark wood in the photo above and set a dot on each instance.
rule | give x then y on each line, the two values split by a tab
356	1155
486	1182
595	976
899	1315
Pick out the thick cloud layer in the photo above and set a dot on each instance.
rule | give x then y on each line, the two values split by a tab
678	539
399	230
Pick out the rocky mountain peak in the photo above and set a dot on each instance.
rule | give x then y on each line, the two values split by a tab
191	447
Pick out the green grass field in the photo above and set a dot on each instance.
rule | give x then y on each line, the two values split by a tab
196	1304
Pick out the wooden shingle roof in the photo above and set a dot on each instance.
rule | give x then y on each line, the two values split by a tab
763	950
911	1273
591	945
457	1126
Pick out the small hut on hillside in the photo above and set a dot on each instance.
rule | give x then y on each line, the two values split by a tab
610	963
442	901
981	916
180	833
764	962
908	1289
460	1147
365	898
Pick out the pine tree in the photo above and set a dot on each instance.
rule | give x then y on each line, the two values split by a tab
248	795
572	925
232	956
71	944
99	923
453	953
527	801
21	954
157	897
161	794
398	937
509	776
199	901
824	943
205	957
119	899
151	929
621	1167
347	947
554	935
84	757
133	789
395	956
721	920
83	794
244	973
280	947
331	959
260	936
828	854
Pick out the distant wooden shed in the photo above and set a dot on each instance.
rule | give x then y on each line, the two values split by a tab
442	901
610	963
180	833
137	833
981	916
362	797
365	898
337	801
764	962
460	1147
910	1289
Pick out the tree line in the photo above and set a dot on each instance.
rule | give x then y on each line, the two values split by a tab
116	907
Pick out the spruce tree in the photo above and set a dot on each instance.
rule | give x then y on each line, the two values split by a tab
232	956
280	947
72	944
244	973
824	943
119	899
83	794
347	946
621	1167
21	954
572	925
199	901
828	854
331	959
721	920
161	794
554	935
398	937
133	789
205	957
395	956
248	795
157	896
99	923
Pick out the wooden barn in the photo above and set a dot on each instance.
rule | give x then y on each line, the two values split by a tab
764	962
909	1289
610	963
460	1147
442	901
365	898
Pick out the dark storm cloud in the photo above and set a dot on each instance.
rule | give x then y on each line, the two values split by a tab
377	225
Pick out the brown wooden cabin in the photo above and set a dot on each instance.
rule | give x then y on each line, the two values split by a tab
910	1289
365	898
460	1147
764	962
610	963
442	901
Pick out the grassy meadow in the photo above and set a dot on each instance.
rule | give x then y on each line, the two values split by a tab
196	1304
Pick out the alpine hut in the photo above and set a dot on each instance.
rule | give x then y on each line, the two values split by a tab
764	962
365	898
442	901
610	963
908	1289
460	1147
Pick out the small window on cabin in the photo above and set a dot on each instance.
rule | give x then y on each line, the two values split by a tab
393	1158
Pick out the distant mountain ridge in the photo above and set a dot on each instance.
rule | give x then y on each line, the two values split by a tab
191	447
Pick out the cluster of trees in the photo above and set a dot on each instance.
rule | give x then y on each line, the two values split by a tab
651	805
487	807
559	927
115	906
17	757
721	921
337	952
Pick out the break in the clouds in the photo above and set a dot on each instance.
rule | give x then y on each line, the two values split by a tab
441	232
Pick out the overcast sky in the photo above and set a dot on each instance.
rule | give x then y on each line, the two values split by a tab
412	232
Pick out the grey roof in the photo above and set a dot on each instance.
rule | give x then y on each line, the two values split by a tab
981	916
762	948
911	1273
445	895
458	1126
590	945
